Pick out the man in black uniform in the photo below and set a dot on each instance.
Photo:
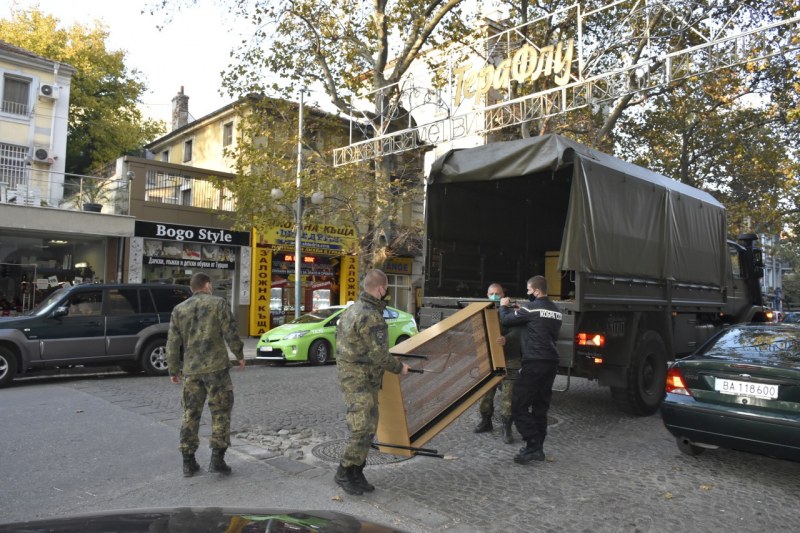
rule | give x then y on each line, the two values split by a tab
541	322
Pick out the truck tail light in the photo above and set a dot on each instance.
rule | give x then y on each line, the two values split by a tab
590	339
675	382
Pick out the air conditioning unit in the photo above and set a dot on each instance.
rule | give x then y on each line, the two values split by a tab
42	155
48	91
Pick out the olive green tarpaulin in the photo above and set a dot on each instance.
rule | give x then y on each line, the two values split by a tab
621	219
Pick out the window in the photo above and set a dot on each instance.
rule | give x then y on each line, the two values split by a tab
86	304
400	289
15	95
227	134
123	302
165	156
167	298
735	265
13	171
187	151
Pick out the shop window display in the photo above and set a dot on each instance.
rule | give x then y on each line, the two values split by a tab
32	267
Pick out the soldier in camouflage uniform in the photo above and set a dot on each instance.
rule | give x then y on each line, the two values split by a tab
511	341
201	326
362	356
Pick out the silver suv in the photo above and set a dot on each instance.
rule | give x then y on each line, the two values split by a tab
116	324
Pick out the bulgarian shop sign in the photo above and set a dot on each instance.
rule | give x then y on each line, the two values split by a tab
181	233
176	245
326	239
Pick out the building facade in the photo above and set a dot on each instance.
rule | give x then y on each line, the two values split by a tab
329	266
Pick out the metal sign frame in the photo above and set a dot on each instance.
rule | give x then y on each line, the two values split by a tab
428	108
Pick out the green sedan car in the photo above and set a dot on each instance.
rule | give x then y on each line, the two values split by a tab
740	390
312	337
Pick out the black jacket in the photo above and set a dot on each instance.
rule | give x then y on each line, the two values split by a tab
541	320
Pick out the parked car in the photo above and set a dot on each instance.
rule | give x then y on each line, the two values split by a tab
792	317
89	325
312	337
740	390
206	519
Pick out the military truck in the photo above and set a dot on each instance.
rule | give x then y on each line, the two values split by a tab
639	264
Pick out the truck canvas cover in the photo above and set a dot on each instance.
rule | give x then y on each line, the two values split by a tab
620	219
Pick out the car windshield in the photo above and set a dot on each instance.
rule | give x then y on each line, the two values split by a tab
316	316
774	345
49	303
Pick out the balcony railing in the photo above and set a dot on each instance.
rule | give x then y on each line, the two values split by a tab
24	185
14	108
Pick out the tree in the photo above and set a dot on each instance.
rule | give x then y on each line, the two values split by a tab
268	161
732	132
104	121
348	47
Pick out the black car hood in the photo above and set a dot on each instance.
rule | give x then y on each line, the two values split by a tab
200	520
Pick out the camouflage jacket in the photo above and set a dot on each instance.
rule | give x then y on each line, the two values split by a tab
202	324
362	336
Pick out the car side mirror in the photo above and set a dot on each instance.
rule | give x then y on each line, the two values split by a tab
60	311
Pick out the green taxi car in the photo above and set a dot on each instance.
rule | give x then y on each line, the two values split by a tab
312	337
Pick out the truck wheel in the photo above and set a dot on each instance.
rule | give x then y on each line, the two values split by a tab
645	378
154	358
8	367
319	352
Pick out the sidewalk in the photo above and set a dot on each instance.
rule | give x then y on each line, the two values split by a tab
249	351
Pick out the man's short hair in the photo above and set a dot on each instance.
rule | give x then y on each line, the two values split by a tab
497	287
374	278
199	281
538	282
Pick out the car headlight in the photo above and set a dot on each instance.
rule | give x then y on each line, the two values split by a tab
294	335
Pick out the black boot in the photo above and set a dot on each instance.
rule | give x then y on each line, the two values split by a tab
508	435
345	478
190	465
217	463
361	481
484	425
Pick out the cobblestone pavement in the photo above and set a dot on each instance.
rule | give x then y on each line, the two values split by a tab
605	471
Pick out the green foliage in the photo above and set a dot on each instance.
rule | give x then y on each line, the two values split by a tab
733	133
349	48
104	121
353	195
791	291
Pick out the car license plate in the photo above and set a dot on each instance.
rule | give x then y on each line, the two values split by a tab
265	349
746	388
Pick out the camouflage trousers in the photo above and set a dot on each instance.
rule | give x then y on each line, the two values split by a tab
218	387
486	407
360	385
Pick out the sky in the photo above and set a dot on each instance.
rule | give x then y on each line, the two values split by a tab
190	52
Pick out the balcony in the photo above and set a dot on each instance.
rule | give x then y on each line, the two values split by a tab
127	181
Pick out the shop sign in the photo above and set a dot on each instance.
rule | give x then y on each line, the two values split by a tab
398	266
181	233
189	255
188	263
348	279
283	264
324	239
260	295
